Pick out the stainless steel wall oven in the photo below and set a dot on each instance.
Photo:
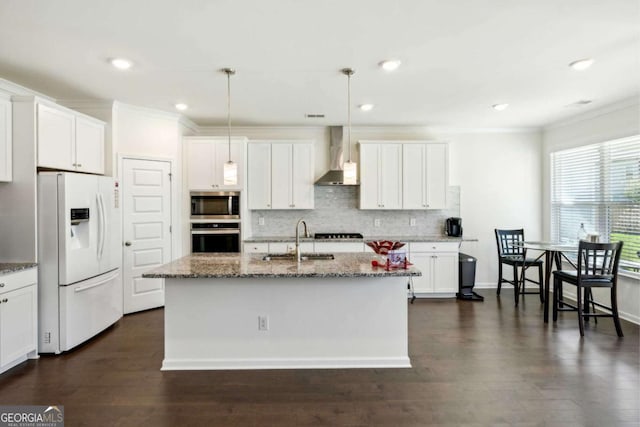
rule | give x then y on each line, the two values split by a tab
215	237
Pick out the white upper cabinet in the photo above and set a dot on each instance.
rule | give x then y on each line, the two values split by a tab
380	176
424	176
403	175
6	141
69	141
437	175
206	159
259	175
89	145
280	175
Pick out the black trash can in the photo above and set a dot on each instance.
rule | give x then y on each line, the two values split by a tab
467	278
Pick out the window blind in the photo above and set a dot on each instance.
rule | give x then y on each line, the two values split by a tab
599	186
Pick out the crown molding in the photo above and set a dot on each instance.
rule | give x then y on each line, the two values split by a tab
601	111
147	111
97	104
16	89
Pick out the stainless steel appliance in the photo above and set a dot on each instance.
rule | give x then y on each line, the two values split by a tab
215	205
453	227
330	236
215	237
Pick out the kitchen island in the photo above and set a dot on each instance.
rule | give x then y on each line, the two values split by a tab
239	311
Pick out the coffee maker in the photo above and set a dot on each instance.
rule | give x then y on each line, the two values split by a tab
453	227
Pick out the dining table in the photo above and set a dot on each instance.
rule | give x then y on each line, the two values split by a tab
552	252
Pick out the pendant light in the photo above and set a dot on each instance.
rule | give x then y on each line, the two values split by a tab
350	168
230	167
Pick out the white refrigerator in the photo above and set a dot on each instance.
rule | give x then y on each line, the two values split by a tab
79	288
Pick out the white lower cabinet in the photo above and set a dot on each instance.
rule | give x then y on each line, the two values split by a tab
438	263
18	317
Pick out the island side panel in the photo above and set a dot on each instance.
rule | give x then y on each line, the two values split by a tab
312	323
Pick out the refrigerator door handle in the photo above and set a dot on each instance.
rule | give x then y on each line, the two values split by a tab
100	225
103	217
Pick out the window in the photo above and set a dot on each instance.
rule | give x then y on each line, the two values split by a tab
599	186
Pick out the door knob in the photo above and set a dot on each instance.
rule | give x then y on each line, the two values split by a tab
127	243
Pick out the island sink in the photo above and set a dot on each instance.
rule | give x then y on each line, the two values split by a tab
303	257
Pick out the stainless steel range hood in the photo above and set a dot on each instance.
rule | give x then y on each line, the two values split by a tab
335	175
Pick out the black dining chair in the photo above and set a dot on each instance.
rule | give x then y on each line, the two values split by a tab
597	268
516	257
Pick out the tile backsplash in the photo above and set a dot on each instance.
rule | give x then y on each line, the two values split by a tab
336	210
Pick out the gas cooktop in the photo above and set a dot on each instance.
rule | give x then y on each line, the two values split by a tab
327	236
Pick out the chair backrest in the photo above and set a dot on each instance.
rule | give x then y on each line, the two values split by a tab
598	259
505	240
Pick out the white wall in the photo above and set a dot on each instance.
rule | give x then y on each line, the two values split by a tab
612	122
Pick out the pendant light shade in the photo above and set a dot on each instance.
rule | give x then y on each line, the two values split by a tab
350	169
230	167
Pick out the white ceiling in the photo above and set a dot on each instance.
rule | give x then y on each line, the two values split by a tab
458	57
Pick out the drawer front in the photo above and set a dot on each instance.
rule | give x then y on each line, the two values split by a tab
18	279
254	248
433	247
339	247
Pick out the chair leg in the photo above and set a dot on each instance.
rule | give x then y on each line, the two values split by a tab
499	277
516	284
585	302
614	311
579	304
540	283
556	289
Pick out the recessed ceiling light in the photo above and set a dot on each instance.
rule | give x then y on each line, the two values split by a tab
180	106
121	63
581	64
500	107
390	64
366	107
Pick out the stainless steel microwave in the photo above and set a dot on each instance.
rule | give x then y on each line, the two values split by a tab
215	205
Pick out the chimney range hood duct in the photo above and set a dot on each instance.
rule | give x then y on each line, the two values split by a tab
335	175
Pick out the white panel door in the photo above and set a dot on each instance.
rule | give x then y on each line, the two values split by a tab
281	176
18	323
146	210
259	176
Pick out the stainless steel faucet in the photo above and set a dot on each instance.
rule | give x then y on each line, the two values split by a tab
306	234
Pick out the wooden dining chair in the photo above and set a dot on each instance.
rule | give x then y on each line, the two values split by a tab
597	268
516	257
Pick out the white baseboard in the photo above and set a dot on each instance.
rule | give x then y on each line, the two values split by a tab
319	363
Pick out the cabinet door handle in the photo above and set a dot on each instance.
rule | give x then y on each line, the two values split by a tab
5	300
1	285
127	243
79	165
268	206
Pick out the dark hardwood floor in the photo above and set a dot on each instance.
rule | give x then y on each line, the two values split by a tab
474	364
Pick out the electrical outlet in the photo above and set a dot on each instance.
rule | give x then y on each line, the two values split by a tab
260	220
263	323
376	222
412	222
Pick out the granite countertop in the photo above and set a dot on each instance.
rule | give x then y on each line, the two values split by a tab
226	265
431	238
11	267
